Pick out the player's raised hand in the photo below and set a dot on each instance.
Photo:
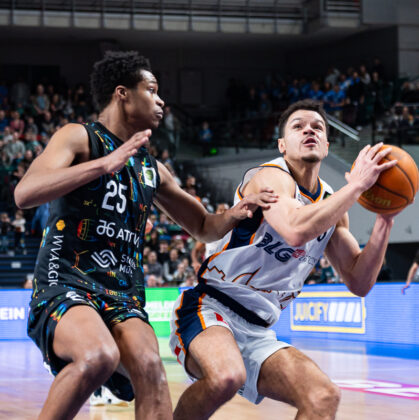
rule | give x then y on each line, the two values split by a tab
367	167
119	157
251	202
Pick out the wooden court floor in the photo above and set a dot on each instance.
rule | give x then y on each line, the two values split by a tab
24	385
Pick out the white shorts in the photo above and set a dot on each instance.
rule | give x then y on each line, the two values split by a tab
194	312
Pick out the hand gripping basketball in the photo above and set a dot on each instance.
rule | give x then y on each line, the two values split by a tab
396	187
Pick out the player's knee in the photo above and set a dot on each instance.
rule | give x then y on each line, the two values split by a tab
99	362
149	369
224	385
325	400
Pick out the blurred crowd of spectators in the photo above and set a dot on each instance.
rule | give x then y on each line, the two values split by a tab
357	96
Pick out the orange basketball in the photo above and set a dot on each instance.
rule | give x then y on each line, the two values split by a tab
396	187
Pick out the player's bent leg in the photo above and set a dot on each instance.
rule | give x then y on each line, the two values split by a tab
140	357
290	376
82	339
214	358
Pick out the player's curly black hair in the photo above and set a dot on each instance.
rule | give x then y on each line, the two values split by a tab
116	68
305	104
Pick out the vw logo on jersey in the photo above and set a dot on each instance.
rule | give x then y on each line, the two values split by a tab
104	258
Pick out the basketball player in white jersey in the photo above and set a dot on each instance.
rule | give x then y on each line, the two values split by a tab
220	329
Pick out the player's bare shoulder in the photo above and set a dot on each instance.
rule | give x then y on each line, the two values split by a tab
273	177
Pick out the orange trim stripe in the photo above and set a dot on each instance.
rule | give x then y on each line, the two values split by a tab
272	165
319	196
201	318
177	325
215	255
239	193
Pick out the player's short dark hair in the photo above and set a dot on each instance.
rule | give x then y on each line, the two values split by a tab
116	68
305	104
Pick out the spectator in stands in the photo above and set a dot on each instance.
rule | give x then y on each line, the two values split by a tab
327	274
334	101
40	101
205	138
294	93
171	265
154	267
14	150
152	239
31	142
163	253
4	121
47	124
376	89
409	93
31	126
5	227
80	101
315	92
19	224
179	244
413	273
7	135
171	125
179	275
314	276
165	158
57	105
16	123
364	75
189	278
332	76
20	93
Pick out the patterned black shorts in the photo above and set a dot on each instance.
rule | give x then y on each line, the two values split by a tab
49	305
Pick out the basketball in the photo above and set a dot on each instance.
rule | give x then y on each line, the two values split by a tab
396	187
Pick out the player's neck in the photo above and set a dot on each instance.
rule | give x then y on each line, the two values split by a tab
305	174
117	122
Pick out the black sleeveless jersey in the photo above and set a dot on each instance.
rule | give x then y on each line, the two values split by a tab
94	236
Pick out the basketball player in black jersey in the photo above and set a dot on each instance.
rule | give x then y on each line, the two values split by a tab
87	311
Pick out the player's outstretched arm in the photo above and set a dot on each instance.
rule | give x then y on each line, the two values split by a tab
298	224
359	269
64	165
186	211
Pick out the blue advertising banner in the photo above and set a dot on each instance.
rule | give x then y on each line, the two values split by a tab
14	311
385	315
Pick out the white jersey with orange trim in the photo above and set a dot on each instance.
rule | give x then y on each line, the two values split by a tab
255	267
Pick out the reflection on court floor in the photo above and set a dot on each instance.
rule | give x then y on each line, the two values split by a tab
384	387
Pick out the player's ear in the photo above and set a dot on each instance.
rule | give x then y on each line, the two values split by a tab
281	145
121	92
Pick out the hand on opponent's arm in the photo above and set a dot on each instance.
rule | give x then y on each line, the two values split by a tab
187	212
65	166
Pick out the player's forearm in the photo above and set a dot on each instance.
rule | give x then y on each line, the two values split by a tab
309	222
215	226
40	187
366	267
